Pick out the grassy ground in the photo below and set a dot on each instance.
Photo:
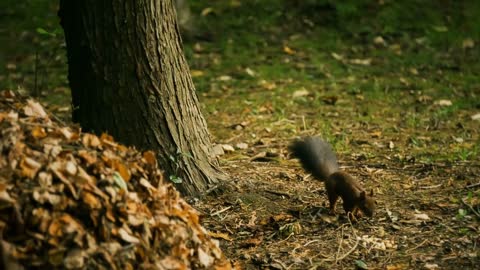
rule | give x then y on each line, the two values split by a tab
393	85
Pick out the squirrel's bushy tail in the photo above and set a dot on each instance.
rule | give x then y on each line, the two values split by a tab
316	156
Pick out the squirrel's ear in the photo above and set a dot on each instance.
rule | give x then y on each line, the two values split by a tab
371	192
362	195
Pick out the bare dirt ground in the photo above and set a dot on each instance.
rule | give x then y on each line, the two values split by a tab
276	217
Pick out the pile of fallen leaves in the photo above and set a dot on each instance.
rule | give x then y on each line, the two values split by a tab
74	200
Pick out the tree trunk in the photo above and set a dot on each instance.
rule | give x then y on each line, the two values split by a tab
129	77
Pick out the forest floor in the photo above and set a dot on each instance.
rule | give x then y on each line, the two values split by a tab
394	87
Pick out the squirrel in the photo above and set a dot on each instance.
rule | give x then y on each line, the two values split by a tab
317	158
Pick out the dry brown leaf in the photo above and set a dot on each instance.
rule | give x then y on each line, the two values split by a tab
4	196
63	205
55	228
89	157
282	217
34	109
90	200
108	140
204	258
29	167
144	182
376	134
136	220
75	259
125	236
288	50
252	242
44	196
38	132
122	148
70	168
65	131
220	235
122	169
55	168
91	141
150	158
397	267
110	215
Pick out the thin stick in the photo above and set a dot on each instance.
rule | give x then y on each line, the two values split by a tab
432	187
288	237
278	193
473	185
221	211
417	246
348	253
339	246
354	246
309	242
281	263
471	208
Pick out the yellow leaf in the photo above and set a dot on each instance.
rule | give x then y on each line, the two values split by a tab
376	134
106	137
196	73
288	50
90	158
29	167
206	11
121	169
91	200
109	214
38	132
122	148
55	228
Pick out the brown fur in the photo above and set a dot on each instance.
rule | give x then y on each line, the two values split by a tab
317	158
340	184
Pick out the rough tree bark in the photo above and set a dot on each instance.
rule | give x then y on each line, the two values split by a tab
129	77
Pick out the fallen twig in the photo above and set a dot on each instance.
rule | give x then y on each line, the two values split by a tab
471	208
417	246
279	193
354	246
220	211
431	187
280	263
473	185
348	253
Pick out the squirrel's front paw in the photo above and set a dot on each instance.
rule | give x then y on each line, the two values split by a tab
352	217
358	213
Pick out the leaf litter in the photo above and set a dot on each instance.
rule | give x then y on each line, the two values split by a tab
73	200
276	217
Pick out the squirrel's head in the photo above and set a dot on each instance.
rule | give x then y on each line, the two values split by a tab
367	203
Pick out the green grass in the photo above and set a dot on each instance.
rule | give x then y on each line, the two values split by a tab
262	52
22	44
422	62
